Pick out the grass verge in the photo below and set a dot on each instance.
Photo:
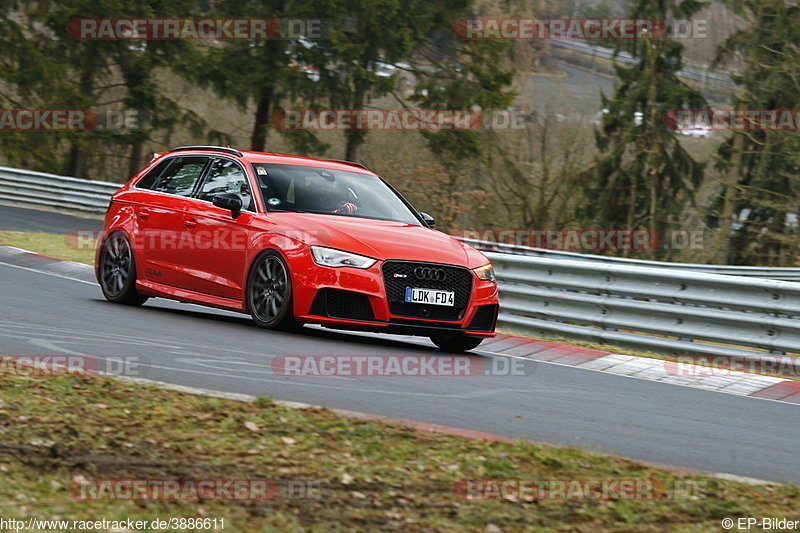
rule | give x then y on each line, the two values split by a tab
57	432
59	246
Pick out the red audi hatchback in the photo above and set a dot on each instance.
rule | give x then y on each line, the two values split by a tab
292	240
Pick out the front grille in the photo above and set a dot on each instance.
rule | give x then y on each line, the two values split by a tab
484	317
398	275
337	303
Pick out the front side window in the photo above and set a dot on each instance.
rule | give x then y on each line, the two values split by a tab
181	176
227	176
333	192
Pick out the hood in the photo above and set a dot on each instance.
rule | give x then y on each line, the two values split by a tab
381	239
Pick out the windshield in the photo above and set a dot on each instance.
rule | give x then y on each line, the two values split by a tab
331	192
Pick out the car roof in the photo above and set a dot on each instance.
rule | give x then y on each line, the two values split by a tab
273	158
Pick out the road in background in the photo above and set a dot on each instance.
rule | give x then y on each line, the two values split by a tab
577	94
13	218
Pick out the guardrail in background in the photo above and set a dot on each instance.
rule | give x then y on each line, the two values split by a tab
658	309
778	273
696	73
50	190
668	307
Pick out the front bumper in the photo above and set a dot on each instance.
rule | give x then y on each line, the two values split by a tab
356	299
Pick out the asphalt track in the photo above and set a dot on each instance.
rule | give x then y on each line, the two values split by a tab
199	347
13	218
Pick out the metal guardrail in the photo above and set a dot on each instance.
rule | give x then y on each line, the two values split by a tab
696	73
659	309
778	273
60	192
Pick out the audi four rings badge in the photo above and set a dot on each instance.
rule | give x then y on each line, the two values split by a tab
429	274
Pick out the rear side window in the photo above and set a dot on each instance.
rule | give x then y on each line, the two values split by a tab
150	178
181	176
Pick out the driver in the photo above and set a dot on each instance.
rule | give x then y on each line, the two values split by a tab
347	208
334	198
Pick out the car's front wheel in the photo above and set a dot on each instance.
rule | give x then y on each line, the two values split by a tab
117	271
455	342
269	292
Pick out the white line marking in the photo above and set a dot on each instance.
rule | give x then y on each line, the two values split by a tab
93	283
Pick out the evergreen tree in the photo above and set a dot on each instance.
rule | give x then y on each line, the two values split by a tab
416	39
44	67
758	205
263	72
643	177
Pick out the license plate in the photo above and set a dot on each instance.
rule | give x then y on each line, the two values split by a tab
430	296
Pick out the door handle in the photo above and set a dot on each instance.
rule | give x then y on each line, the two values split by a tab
190	222
143	213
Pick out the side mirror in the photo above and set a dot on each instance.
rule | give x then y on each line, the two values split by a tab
230	201
427	219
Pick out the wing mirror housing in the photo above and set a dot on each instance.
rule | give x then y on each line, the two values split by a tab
427	219
230	201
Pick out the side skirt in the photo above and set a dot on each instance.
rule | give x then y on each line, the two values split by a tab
151	288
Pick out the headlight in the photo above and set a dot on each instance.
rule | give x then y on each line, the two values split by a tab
331	257
486	273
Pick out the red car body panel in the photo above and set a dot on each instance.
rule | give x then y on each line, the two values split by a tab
189	250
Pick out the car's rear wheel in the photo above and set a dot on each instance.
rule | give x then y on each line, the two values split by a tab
269	292
118	271
455	342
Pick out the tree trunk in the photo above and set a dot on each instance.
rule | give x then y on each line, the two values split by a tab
135	164
354	141
722	252
76	161
355	138
651	165
258	139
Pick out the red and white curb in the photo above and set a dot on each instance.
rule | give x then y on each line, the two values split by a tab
27	260
696	376
685	374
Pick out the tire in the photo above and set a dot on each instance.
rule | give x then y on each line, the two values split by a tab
455	342
269	293
117	271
